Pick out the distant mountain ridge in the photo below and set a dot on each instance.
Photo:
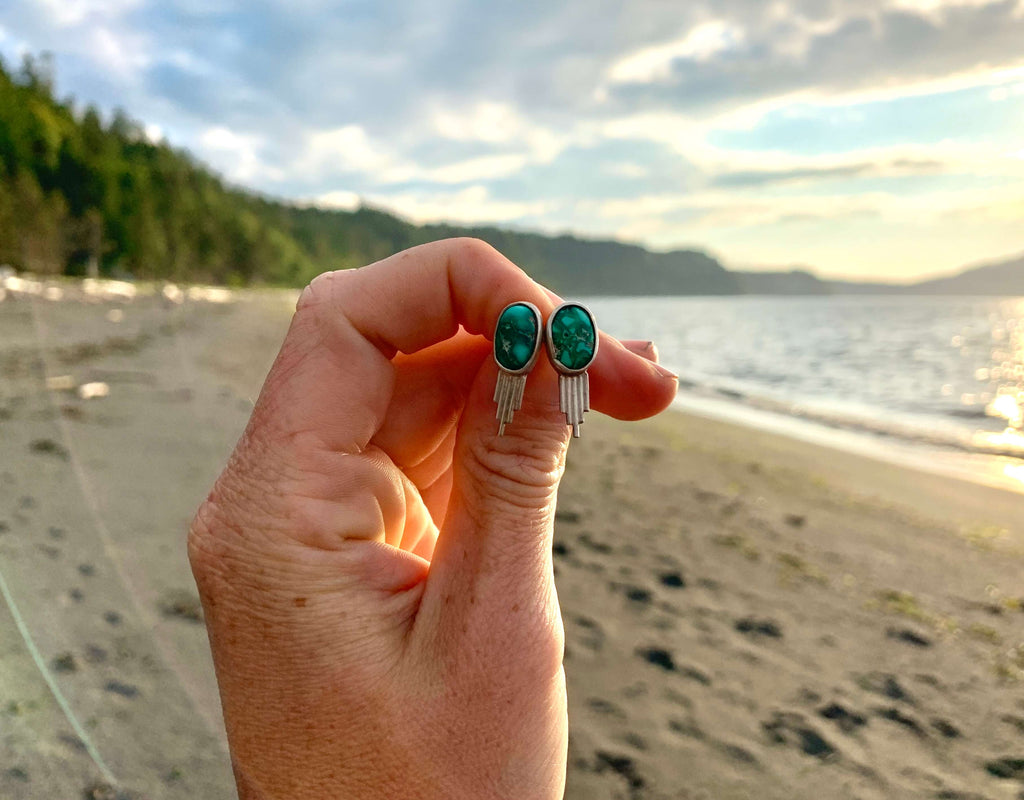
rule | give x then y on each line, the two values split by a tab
1001	278
987	279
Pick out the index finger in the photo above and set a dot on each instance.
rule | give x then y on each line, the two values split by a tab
334	379
421	296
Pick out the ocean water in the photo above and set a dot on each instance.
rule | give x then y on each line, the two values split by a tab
943	372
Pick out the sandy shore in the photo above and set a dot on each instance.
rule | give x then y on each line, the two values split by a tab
747	616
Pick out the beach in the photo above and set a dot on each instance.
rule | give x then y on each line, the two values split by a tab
747	615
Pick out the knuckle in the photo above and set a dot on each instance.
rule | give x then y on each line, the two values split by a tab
517	472
525	648
313	294
243	510
209	547
543	648
476	249
201	543
550	658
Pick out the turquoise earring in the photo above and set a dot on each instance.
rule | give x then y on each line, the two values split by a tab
572	346
517	338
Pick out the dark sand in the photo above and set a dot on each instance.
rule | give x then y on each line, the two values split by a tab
747	616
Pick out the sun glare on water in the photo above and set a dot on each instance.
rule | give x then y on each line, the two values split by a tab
1008	407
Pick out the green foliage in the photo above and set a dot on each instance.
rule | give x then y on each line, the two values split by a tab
79	196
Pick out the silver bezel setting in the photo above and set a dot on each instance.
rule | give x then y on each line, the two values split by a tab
558	365
536	344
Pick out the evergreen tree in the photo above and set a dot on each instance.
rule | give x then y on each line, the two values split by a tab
78	196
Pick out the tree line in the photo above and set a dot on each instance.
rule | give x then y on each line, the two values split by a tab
80	195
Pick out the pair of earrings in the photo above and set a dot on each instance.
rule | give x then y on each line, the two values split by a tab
571	337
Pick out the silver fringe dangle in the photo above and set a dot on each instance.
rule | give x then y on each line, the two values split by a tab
517	338
574	399
572	341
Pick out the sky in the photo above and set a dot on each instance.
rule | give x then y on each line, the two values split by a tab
879	139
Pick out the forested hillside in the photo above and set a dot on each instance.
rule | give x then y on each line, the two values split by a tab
74	190
80	194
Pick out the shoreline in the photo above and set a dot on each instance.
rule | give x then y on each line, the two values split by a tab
997	471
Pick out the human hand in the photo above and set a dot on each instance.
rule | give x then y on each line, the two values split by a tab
375	562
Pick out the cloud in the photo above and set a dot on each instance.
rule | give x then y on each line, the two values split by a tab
341	199
471	205
700	44
771	56
664	121
238	154
859	169
122	53
862	49
67	13
497	124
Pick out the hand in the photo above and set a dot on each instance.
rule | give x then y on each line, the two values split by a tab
375	562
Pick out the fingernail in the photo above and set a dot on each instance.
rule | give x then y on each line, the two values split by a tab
645	349
665	373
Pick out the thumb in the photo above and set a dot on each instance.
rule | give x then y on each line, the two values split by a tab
490	577
490	585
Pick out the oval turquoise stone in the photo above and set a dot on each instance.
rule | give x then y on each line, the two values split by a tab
515	337
573	337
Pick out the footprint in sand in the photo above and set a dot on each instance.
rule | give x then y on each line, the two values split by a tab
909	636
662	658
1006	768
49	550
945	728
737	753
182	604
72	742
17	774
605	708
1014	721
591	634
788	728
673	580
624	766
597	546
564	515
48	447
65	662
104	791
893	714
123	689
658	657
848	721
638	595
687	728
884	684
635	740
754	627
